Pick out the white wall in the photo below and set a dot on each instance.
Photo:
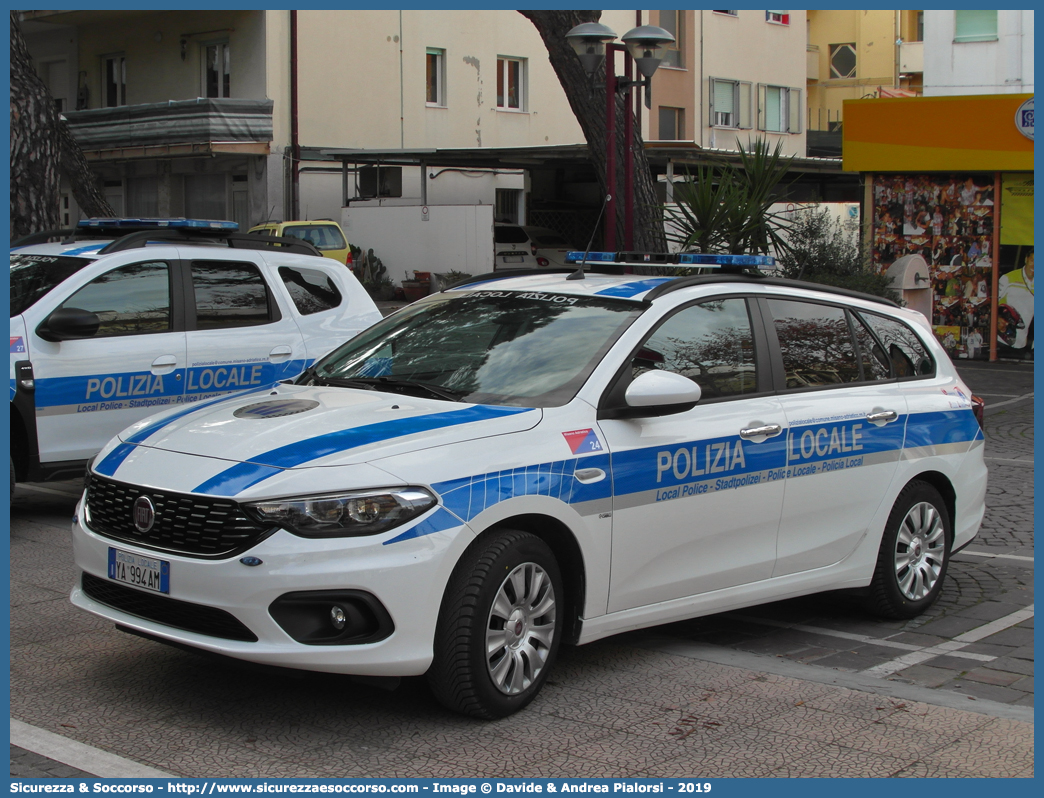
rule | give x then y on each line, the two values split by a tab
455	237
1004	66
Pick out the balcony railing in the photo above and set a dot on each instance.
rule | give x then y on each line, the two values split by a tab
200	125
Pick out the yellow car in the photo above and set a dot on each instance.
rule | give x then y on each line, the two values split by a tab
325	234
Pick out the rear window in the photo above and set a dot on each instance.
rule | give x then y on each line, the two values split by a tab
311	290
507	234
32	276
321	236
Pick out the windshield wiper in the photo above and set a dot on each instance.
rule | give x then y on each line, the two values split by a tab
394	383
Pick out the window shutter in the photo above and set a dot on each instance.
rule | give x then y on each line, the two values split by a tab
710	101
744	105
724	98
794	107
975	26
761	106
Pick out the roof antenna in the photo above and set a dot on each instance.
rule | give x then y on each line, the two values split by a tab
579	273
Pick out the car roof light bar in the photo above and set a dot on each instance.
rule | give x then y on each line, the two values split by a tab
674	259
126	224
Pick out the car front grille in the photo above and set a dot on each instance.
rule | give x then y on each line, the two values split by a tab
195	526
165	610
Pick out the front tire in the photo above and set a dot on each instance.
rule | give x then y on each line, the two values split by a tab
499	626
914	554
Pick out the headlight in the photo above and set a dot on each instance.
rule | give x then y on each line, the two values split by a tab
344	514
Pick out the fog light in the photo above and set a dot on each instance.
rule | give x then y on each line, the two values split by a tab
337	617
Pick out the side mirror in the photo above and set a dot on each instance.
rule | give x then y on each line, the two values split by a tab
662	393
69	323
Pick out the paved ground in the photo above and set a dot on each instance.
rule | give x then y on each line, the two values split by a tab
810	687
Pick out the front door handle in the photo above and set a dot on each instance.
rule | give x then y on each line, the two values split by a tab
762	431
880	417
588	476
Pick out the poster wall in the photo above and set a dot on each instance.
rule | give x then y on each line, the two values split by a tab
948	220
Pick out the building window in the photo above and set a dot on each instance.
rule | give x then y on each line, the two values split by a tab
843	60
975	26
779	109
509	206
114	81
511	79
920	26
730	13
729	103
671	21
216	70
672	123
778	17
435	77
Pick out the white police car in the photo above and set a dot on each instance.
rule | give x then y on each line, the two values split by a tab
128	316
527	460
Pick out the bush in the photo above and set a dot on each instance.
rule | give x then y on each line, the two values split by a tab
819	251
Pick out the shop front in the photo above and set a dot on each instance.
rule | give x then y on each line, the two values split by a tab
950	179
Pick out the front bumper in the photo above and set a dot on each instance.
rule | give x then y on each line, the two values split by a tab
407	578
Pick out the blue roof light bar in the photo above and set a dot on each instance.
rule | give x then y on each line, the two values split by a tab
130	223
672	259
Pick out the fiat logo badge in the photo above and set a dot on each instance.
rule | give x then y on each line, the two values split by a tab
144	514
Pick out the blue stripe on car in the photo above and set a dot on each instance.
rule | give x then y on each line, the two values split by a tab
628	290
114	459
242	476
438	521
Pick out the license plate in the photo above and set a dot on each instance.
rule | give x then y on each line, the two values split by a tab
513	258
147	573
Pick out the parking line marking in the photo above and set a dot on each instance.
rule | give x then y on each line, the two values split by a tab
951	647
1010	401
857	638
975	553
78	755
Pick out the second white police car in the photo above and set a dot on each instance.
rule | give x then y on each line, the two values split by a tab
524	461
124	317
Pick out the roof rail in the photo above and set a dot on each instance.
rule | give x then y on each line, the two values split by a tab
731	277
141	238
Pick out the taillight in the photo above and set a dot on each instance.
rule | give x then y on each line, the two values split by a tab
978	408
543	262
348	260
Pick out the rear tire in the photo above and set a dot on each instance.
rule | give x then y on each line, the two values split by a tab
914	554
499	626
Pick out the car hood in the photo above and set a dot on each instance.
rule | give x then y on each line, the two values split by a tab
294	426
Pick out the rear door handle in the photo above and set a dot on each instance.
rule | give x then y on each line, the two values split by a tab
763	431
164	364
882	416
280	353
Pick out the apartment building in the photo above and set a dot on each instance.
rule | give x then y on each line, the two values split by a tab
732	76
969	51
198	113
855	54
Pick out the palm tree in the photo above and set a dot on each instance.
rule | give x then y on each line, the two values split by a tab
726	207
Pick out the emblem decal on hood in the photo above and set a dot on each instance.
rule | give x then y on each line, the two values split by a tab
276	408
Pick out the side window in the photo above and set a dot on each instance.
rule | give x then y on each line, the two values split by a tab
128	300
816	344
908	355
229	295
311	290
710	343
872	357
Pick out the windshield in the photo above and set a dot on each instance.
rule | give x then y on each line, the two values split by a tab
32	276
494	347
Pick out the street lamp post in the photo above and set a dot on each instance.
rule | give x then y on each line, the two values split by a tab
643	47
